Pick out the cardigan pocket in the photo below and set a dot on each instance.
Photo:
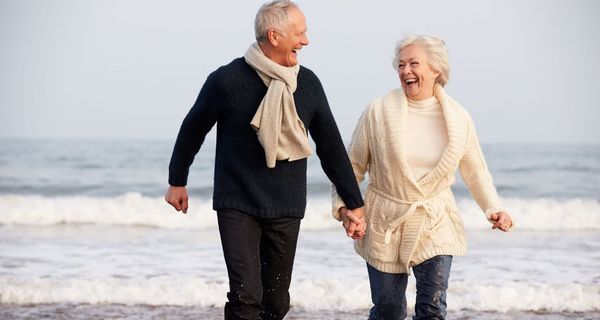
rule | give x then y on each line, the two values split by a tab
379	249
384	233
442	232
447	229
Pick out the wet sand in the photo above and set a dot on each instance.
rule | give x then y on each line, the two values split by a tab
143	312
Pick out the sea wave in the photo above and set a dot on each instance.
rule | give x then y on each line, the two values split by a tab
134	209
309	294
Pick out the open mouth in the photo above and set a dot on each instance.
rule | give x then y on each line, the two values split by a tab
411	82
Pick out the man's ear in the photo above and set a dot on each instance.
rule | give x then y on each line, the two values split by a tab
273	37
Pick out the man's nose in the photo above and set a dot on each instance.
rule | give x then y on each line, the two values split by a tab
304	41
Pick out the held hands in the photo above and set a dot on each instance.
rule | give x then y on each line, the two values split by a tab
502	221
354	222
178	198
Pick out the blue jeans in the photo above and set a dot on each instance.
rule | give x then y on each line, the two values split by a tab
388	291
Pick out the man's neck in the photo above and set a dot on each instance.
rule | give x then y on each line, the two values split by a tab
266	50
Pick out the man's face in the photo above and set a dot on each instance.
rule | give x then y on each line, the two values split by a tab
290	41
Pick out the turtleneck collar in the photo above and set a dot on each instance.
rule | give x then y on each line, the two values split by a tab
427	105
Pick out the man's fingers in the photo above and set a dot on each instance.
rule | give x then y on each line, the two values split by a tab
184	205
359	212
351	228
179	204
345	221
354	218
177	197
176	204
355	226
347	224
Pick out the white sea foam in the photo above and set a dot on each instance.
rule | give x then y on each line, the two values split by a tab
133	209
313	294
155	291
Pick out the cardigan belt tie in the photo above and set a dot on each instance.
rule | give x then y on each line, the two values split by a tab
392	226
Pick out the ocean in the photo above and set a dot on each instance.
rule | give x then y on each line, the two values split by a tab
86	234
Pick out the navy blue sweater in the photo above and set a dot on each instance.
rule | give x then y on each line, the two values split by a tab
230	97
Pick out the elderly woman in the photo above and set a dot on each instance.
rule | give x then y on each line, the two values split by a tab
411	142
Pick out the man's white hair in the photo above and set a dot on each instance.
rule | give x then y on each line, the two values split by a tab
272	15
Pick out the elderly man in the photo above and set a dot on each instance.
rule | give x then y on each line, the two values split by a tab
265	104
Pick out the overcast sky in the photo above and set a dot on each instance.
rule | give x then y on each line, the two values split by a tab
528	71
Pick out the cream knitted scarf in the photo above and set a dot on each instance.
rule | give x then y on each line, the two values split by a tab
280	131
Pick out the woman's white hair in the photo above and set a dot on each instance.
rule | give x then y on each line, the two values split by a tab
435	50
272	15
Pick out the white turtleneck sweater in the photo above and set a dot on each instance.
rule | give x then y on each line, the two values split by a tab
426	135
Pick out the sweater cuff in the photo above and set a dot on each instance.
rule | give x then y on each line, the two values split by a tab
335	209
338	202
353	204
178	179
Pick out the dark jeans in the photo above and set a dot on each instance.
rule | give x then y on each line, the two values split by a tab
259	254
388	291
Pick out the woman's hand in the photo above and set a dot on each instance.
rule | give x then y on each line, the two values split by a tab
354	222
501	220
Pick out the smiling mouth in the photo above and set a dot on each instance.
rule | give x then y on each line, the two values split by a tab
410	82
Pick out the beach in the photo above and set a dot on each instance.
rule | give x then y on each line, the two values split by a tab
85	234
97	312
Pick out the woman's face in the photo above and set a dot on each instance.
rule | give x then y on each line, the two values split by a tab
416	76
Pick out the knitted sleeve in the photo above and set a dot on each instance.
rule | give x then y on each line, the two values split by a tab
198	122
330	149
476	175
359	155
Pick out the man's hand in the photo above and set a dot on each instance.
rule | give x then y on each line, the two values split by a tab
354	222
178	198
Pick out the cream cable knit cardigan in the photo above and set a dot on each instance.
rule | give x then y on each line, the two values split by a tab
410	221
